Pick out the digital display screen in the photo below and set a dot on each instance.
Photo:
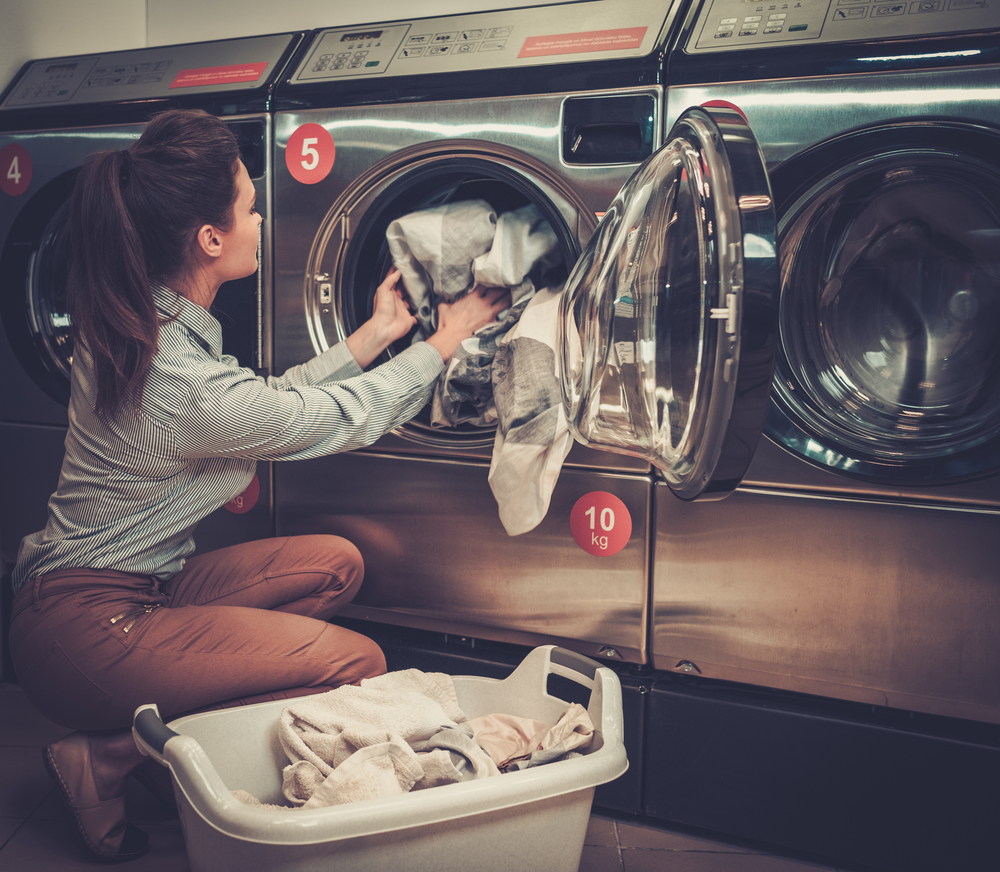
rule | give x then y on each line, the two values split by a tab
60	68
361	36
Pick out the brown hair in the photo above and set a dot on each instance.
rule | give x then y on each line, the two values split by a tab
133	219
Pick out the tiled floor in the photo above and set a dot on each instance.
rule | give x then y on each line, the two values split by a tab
36	834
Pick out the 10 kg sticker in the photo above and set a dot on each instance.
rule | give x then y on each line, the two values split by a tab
600	523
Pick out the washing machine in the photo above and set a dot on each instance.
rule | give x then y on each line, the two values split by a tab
858	560
556	106
54	114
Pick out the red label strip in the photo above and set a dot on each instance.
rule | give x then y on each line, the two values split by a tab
219	75
583	43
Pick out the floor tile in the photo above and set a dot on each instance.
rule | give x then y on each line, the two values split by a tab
597	858
8	826
644	860
601	831
25	783
636	835
54	846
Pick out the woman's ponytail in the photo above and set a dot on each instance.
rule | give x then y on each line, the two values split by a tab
133	218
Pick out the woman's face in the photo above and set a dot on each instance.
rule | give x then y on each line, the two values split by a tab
239	252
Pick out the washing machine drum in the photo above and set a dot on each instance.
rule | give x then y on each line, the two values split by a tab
889	359
351	255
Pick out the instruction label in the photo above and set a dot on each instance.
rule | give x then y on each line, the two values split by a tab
623	39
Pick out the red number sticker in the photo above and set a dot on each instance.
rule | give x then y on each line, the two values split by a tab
600	523
245	501
310	154
15	170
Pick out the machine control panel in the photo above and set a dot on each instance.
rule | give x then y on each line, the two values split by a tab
149	73
561	32
740	24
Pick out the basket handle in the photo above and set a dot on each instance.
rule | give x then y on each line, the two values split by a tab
576	662
150	733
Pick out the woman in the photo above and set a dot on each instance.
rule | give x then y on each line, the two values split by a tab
109	613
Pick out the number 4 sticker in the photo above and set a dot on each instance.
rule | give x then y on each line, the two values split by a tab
15	170
310	154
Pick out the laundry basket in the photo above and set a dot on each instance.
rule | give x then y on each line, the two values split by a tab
533	819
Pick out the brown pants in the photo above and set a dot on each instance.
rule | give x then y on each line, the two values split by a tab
239	625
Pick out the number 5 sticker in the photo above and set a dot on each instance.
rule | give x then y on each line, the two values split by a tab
310	153
15	169
600	523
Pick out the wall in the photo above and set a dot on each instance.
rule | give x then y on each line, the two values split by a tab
32	29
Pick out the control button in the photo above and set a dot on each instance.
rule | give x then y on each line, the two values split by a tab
440	38
797	28
412	52
494	45
728	21
850	14
773	29
726	27
470	35
926	6
749	32
438	50
774	15
751	18
422	39
725	34
498	32
466	47
891	9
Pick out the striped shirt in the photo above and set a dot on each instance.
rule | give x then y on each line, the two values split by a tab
132	488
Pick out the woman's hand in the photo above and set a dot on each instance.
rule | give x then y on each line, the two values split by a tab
457	321
391	320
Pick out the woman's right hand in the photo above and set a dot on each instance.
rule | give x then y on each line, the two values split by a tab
457	321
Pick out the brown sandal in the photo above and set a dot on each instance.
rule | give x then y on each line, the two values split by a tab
106	833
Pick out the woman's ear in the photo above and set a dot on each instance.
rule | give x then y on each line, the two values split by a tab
209	240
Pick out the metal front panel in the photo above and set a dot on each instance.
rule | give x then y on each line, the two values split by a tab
880	603
787	116
150	73
736	24
51	153
436	556
363	136
512	38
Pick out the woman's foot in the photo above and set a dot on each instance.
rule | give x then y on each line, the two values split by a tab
90	771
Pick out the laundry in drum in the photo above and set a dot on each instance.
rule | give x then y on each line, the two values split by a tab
444	252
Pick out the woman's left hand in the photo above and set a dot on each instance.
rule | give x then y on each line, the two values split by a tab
391	320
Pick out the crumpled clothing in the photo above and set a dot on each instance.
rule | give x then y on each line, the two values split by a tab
572	733
446	251
504	736
533	437
398	732
434	250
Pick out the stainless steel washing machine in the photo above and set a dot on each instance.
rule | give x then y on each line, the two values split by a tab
556	106
52	116
858	560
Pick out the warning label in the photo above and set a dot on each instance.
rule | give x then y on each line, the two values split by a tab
583	43
219	75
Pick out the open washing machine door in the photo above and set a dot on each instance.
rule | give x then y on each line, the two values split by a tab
668	329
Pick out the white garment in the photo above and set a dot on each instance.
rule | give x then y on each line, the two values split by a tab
533	437
393	733
434	250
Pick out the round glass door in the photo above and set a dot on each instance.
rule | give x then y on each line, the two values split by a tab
668	327
889	363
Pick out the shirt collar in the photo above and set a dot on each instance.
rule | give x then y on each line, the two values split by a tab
198	321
